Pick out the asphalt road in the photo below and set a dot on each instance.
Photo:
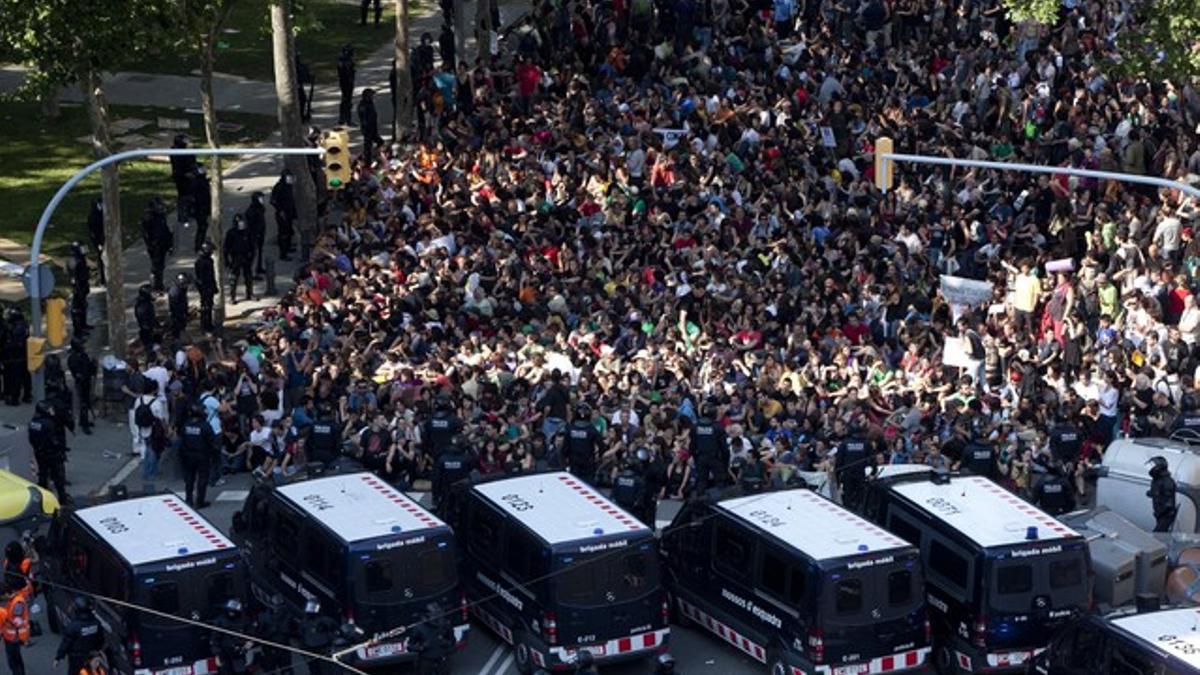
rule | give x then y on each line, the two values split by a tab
103	460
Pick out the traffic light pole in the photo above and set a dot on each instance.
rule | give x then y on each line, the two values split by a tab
888	157
35	290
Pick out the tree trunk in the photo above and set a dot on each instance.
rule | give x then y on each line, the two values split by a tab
404	85
93	93
460	34
216	228
290	127
49	101
483	29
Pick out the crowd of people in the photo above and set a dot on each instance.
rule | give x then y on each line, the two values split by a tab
653	227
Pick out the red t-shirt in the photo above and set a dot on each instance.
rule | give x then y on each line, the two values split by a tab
528	76
855	333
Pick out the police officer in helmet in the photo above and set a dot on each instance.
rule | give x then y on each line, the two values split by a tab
1162	494
195	453
239	257
584	444
629	485
978	458
206	285
441	428
177	305
1053	495
453	465
273	624
710	449
83	372
45	437
147	319
433	640
229	648
158	238
80	637
317	635
324	438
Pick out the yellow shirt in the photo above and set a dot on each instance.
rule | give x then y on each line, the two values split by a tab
1025	292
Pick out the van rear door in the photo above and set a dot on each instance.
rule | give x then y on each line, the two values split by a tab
605	594
395	580
198	592
1033	592
869	608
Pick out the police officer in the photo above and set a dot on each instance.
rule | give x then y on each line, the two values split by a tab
201	204
18	386
80	288
283	199
629	486
230	649
317	634
1188	418
378	12
433	640
710	449
256	222
1053	495
304	77
446	46
83	372
95	224
978	458
1162	494
239	256
206	285
368	120
147	320
177	305
584	444
441	428
81	636
182	167
850	463
158	239
325	438
273	623
1065	441
452	465
345	75
45	437
195	453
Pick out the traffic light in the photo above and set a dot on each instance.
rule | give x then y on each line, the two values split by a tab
884	169
56	321
336	143
34	353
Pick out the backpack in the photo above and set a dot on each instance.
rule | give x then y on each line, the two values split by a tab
143	416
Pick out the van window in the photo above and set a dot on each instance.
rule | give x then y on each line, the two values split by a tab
318	557
1066	573
733	551
1126	661
165	597
605	580
949	564
1014	579
797	589
904	529
287	535
437	570
900	587
849	596
380	577
521	554
485	527
773	574
219	590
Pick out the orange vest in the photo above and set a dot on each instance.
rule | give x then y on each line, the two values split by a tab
15	626
26	565
100	670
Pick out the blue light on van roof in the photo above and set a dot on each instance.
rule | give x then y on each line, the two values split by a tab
862	547
149	581
598	531
229	565
909	564
1031	532
397	528
364	557
568	560
182	550
835	577
441	544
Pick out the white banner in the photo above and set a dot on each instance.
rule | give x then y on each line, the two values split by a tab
963	291
957	353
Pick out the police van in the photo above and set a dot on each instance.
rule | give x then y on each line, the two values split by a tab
798	583
1162	642
151	551
554	568
366	552
1001	576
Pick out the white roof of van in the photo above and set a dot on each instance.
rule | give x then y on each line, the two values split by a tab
893	470
359	506
811	524
982	510
559	507
1174	631
150	529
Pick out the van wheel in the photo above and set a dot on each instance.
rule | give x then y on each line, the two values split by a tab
522	656
778	667
945	661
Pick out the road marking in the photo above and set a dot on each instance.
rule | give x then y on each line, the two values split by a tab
496	654
233	495
504	665
120	477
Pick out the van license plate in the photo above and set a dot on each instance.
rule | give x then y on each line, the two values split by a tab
382	651
852	670
178	670
597	650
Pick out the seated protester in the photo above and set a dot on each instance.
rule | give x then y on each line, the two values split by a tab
520	460
406	463
234	449
271	404
360	398
256	447
377	452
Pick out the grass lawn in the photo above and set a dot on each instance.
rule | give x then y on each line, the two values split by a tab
245	47
38	157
